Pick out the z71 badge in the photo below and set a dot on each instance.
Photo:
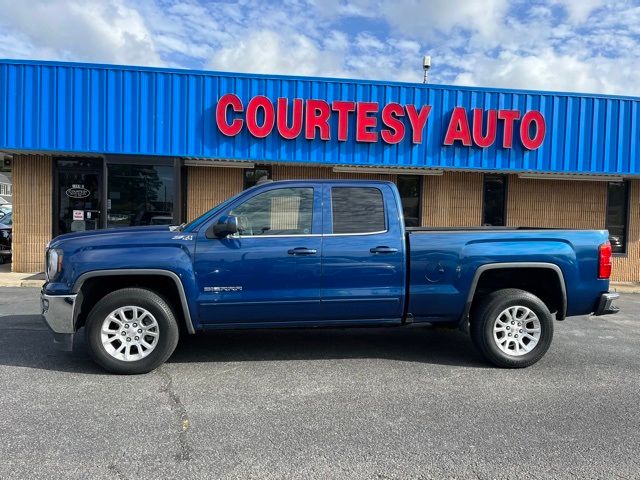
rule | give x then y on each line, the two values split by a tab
182	237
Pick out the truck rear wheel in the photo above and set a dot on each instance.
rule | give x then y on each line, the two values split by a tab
131	331
512	328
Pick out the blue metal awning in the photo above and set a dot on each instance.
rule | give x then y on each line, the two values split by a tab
103	109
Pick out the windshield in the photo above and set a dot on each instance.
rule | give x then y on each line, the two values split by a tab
194	224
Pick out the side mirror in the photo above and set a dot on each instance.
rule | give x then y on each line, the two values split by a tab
226	226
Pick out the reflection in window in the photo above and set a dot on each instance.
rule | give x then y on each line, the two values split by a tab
494	200
357	210
410	190
256	176
140	195
617	215
284	211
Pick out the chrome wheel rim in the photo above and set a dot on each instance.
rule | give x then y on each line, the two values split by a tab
130	333
517	330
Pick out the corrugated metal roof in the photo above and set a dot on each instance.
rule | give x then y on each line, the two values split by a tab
81	108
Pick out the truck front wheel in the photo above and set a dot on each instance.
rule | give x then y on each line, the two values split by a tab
512	328
130	331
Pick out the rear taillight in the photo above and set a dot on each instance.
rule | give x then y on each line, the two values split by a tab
604	261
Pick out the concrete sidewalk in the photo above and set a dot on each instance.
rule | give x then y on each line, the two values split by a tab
625	287
11	279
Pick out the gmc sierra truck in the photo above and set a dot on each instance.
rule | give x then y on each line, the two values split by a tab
318	254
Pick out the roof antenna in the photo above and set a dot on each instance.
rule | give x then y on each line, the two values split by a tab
426	66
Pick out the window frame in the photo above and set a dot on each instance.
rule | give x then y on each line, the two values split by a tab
288	187
505	179
385	212
627	217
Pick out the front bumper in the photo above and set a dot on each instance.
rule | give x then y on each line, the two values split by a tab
605	305
59	312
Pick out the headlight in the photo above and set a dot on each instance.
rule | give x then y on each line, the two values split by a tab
54	263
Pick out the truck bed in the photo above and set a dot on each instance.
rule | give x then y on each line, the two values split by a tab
444	262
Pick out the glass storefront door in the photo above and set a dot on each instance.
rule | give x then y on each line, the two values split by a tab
78	196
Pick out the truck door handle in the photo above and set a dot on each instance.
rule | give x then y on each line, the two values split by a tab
383	250
302	251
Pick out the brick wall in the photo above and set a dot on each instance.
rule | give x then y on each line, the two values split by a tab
209	186
32	211
453	199
574	204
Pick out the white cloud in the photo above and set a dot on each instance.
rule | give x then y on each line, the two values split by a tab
82	30
429	18
549	71
586	45
267	51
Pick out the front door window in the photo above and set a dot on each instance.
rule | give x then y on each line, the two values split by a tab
78	200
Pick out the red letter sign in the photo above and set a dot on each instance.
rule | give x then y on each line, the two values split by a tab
390	114
226	101
318	113
343	109
492	122
296	124
458	128
418	121
532	117
509	116
364	122
263	130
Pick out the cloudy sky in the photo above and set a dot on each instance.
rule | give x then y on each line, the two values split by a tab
567	45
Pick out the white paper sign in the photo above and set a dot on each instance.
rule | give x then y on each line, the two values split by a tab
78	214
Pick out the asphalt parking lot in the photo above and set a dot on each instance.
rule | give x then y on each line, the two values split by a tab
410	403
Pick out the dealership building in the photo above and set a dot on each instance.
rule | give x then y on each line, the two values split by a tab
102	146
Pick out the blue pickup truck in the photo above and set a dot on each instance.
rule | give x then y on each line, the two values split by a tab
312	254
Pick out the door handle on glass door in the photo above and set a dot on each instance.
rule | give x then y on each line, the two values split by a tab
383	250
302	251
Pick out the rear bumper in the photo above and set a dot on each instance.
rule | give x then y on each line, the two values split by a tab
605	304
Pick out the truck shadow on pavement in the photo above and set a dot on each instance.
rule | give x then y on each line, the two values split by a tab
26	342
410	344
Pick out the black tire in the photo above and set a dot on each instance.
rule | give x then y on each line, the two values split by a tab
483	318
138	297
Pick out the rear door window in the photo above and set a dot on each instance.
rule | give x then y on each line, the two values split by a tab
357	210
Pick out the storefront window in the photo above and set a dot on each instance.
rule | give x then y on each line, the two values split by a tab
494	200
617	215
140	195
410	187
